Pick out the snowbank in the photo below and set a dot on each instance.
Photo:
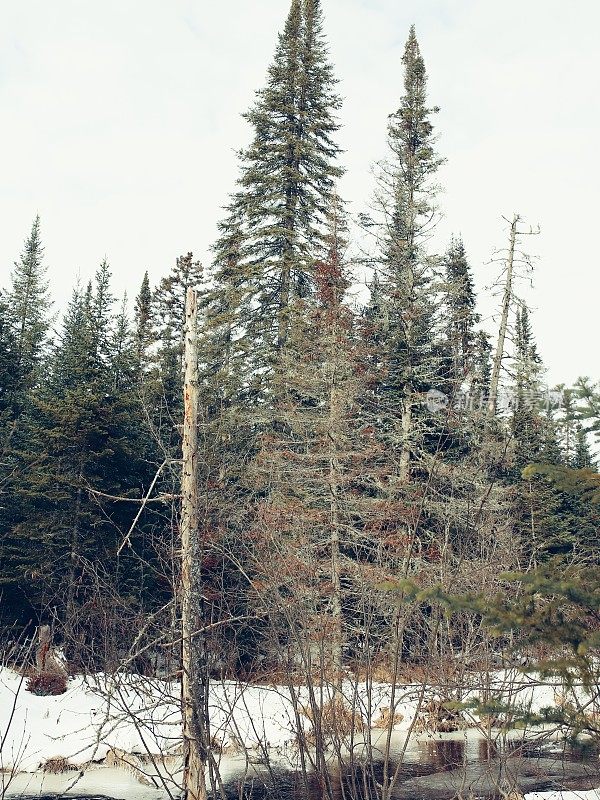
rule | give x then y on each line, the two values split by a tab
135	715
99	717
81	725
101	781
593	794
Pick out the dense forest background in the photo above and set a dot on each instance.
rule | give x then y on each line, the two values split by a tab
361	461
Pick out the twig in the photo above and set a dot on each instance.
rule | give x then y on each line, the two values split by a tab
127	539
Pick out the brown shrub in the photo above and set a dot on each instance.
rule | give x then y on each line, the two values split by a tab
385	718
435	717
335	718
56	765
47	683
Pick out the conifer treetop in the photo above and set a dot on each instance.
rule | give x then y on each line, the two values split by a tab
275	228
29	302
411	133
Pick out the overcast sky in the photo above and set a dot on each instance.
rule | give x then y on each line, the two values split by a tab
120	120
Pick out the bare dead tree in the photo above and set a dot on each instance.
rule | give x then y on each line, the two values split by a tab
194	784
508	299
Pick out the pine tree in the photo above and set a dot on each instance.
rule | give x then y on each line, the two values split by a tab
527	423
144	334
409	365
582	455
264	258
29	304
461	317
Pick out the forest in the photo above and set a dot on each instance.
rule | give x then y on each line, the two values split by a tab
386	491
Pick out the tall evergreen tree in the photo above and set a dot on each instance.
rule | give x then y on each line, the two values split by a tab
265	262
29	303
542	515
409	366
23	346
101	317
264	258
144	333
461	317
527	423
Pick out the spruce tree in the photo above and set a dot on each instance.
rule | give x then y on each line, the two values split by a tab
23	345
582	455
10	374
542	515
29	303
144	333
264	267
482	371
264	258
101	317
568	424
123	361
527	423
461	316
409	364
83	439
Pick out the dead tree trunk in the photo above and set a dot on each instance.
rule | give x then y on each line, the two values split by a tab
506	303
334	511
194	784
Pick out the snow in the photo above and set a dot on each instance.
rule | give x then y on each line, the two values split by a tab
94	781
126	720
83	724
592	794
137	715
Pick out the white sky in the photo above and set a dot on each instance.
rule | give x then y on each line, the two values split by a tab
120	118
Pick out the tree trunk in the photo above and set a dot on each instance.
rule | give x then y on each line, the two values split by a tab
334	480
506	302
404	468
192	685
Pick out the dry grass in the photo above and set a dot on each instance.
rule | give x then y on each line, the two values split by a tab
334	718
436	718
385	718
134	763
56	765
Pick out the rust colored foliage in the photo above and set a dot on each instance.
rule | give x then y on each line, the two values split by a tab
46	684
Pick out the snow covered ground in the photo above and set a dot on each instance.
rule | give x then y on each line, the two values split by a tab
96	780
135	715
108	720
593	794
